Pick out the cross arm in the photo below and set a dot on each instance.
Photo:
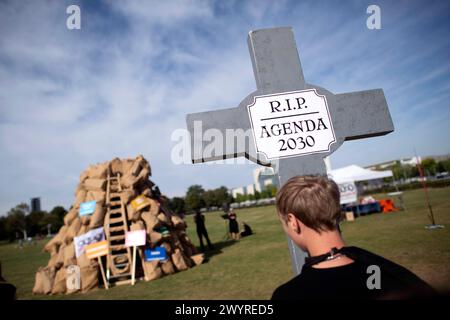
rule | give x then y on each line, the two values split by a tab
362	114
275	60
205	127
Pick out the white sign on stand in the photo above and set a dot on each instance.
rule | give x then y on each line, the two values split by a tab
135	239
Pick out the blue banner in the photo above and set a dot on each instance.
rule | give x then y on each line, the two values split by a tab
87	208
159	253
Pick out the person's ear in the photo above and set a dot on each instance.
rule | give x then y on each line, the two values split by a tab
293	223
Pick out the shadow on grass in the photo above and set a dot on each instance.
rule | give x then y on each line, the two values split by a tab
218	246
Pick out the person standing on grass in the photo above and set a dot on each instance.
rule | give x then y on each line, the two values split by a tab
233	225
309	210
199	220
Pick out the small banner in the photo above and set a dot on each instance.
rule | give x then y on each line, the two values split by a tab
348	191
140	202
159	253
87	208
97	249
95	235
135	238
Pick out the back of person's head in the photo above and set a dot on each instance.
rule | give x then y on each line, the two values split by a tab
314	200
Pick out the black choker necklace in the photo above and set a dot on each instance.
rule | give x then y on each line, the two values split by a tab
334	253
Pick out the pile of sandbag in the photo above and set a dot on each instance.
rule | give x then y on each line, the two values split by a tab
163	228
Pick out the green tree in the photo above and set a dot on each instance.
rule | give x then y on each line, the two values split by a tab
429	165
209	198
16	220
177	205
36	222
194	198
272	190
222	196
59	212
241	198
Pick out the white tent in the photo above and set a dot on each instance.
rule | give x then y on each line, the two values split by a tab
347	176
356	173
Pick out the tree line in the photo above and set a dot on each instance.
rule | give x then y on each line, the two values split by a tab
430	166
20	223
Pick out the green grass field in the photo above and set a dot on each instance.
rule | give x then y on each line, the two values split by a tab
253	267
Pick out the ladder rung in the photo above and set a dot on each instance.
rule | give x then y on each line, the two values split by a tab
113	229
115	220
120	276
117	247
123	282
121	264
114	238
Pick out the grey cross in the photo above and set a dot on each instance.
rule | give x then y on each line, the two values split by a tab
277	69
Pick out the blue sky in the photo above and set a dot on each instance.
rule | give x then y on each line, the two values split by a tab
123	83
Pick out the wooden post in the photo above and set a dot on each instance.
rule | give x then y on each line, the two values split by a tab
134	266
103	273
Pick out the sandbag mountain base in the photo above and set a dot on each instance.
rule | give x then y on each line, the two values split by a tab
114	185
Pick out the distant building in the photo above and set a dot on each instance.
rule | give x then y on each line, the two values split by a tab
388	164
35	204
262	177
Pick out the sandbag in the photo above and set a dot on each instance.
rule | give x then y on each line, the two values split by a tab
44	279
97	217
178	222
198	258
151	221
53	245
130	212
69	255
127	165
83	176
187	250
178	260
138	225
137	166
70	216
89	277
100	171
59	285
97	196
60	259
152	270
127	195
85	220
52	263
83	230
168	247
133	214
83	261
147	192
167	267
81	197
163	218
116	167
155	237
73	230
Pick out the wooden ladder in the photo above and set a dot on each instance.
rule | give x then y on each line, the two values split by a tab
116	225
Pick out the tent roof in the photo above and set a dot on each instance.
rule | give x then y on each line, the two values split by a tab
357	173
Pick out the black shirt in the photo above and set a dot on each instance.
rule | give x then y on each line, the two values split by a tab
350	281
